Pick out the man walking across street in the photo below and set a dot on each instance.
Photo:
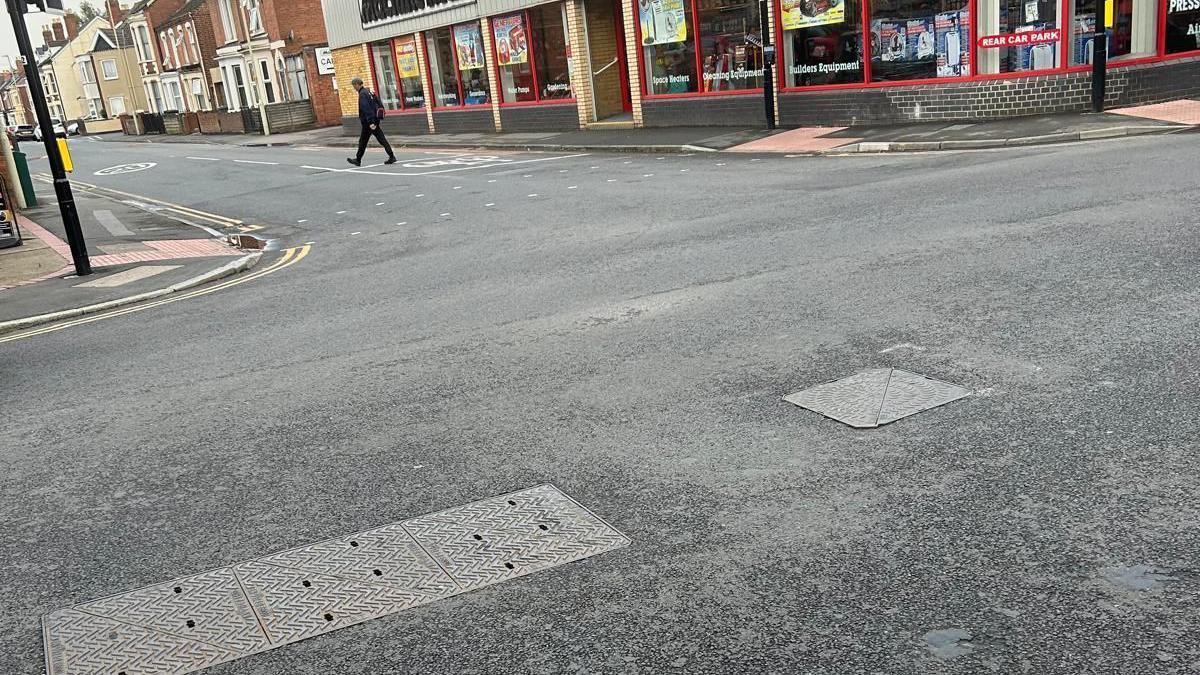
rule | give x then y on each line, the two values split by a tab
370	113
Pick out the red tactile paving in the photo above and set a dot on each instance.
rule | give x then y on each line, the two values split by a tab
168	249
804	139
1184	111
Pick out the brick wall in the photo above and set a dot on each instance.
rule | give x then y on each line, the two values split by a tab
581	85
327	105
349	63
704	111
546	117
448	121
402	123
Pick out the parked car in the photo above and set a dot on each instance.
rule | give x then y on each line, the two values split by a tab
59	130
24	132
74	128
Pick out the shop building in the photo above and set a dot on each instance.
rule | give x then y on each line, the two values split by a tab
520	65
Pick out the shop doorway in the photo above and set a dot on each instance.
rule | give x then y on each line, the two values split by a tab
611	98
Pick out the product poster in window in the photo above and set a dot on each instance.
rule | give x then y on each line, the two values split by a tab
953	39
663	22
406	59
919	36
511	45
889	41
806	13
468	42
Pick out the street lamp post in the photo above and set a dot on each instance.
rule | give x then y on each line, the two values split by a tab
260	89
62	186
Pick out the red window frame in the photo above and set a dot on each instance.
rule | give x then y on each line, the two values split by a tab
1064	66
457	71
391	45
533	47
695	24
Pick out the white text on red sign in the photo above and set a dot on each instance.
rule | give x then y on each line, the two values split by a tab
1029	37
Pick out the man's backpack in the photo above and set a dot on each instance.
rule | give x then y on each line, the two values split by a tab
381	111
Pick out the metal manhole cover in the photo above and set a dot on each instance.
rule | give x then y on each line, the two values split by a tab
874	398
224	614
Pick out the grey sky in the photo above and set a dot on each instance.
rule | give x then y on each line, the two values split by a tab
8	43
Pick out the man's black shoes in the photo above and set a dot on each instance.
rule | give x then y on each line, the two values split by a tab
353	161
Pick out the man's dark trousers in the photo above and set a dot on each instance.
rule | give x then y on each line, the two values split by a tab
367	133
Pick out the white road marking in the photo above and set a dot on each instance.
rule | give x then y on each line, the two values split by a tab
457	187
420	195
251	161
562	170
302	220
533	195
902	345
647	175
572	187
340	212
354	233
205	159
611	180
683	171
403	223
493	180
627	162
380	203
111	223
528	175
490	204
720	163
444	214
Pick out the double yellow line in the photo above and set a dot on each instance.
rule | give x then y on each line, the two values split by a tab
290	257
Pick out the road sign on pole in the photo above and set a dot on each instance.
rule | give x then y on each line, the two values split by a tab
37	95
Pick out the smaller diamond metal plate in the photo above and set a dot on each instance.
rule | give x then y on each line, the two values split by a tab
877	397
512	535
224	614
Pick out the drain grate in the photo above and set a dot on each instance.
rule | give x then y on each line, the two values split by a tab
874	398
224	614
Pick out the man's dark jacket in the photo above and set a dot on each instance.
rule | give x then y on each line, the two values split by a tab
368	107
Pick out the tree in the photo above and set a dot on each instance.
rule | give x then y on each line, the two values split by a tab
87	12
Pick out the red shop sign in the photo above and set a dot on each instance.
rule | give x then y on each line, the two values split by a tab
1028	37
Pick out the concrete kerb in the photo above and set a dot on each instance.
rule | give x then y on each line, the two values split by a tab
240	265
975	144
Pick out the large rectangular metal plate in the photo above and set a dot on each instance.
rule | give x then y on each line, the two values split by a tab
195	622
874	398
504	537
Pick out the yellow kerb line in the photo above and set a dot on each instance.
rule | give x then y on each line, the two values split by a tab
290	257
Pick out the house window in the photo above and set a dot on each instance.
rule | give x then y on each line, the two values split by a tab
456	65
157	96
198	95
174	95
109	68
239	83
227	25
297	79
145	51
193	49
165	42
116	105
268	85
85	72
254	17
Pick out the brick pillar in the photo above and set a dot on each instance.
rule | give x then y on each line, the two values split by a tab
581	62
493	81
426	83
633	53
349	63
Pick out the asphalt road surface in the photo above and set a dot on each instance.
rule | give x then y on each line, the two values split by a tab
625	328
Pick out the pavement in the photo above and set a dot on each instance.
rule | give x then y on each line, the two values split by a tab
137	251
625	326
1177	116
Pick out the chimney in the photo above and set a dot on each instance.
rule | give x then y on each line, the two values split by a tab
115	13
60	35
72	22
47	37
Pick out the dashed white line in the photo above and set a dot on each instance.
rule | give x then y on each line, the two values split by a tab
340	212
403	223
532	195
683	171
205	159
251	161
354	233
492	180
302	220
647	175
528	175
572	187
611	180
457	187
490	204
420	195
444	214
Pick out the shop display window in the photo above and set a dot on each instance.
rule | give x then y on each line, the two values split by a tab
531	55
1183	26
822	42
920	39
1082	38
1038	19
668	46
385	76
1134	32
412	90
727	61
457	66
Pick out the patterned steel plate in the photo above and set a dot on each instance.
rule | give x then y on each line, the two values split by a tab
224	614
877	397
509	536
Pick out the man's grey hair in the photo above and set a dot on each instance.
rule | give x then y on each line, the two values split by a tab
356	81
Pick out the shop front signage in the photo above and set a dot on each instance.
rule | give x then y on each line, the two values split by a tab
376	12
324	60
1022	39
